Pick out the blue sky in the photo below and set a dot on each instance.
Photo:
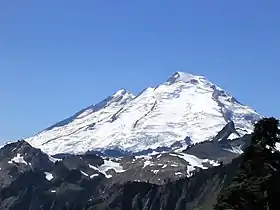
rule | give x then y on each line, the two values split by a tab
57	57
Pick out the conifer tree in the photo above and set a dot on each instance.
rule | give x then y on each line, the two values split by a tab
256	185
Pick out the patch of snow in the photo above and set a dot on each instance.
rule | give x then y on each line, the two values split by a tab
155	171
194	162
54	159
212	162
236	149
178	173
154	153
191	159
278	146
94	175
49	176
147	163
85	174
147	157
108	164
53	191
181	149
93	167
190	169
164	166
18	159
233	136
174	165
97	169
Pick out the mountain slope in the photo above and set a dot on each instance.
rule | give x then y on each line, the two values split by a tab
204	187
31	179
186	109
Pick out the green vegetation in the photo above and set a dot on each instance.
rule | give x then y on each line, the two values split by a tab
256	186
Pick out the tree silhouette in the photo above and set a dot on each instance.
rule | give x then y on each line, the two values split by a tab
266	132
256	185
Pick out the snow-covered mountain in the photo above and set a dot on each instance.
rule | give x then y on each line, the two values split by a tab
185	109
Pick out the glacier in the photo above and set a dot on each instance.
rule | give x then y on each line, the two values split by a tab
183	107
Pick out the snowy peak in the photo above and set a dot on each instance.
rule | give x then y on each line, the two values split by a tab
119	98
121	92
185	106
184	77
199	81
122	96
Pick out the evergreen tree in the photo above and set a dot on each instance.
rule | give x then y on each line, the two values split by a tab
257	184
266	132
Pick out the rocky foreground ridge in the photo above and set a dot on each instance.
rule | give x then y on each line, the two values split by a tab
31	179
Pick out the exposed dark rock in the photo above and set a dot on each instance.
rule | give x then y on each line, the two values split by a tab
197	192
30	180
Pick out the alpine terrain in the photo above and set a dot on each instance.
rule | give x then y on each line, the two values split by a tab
176	146
184	110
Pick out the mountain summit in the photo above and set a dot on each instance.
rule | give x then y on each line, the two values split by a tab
183	77
184	107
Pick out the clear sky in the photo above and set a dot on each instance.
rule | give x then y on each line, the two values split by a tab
57	57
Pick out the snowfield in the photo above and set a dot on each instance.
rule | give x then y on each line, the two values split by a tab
18	159
49	176
184	106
